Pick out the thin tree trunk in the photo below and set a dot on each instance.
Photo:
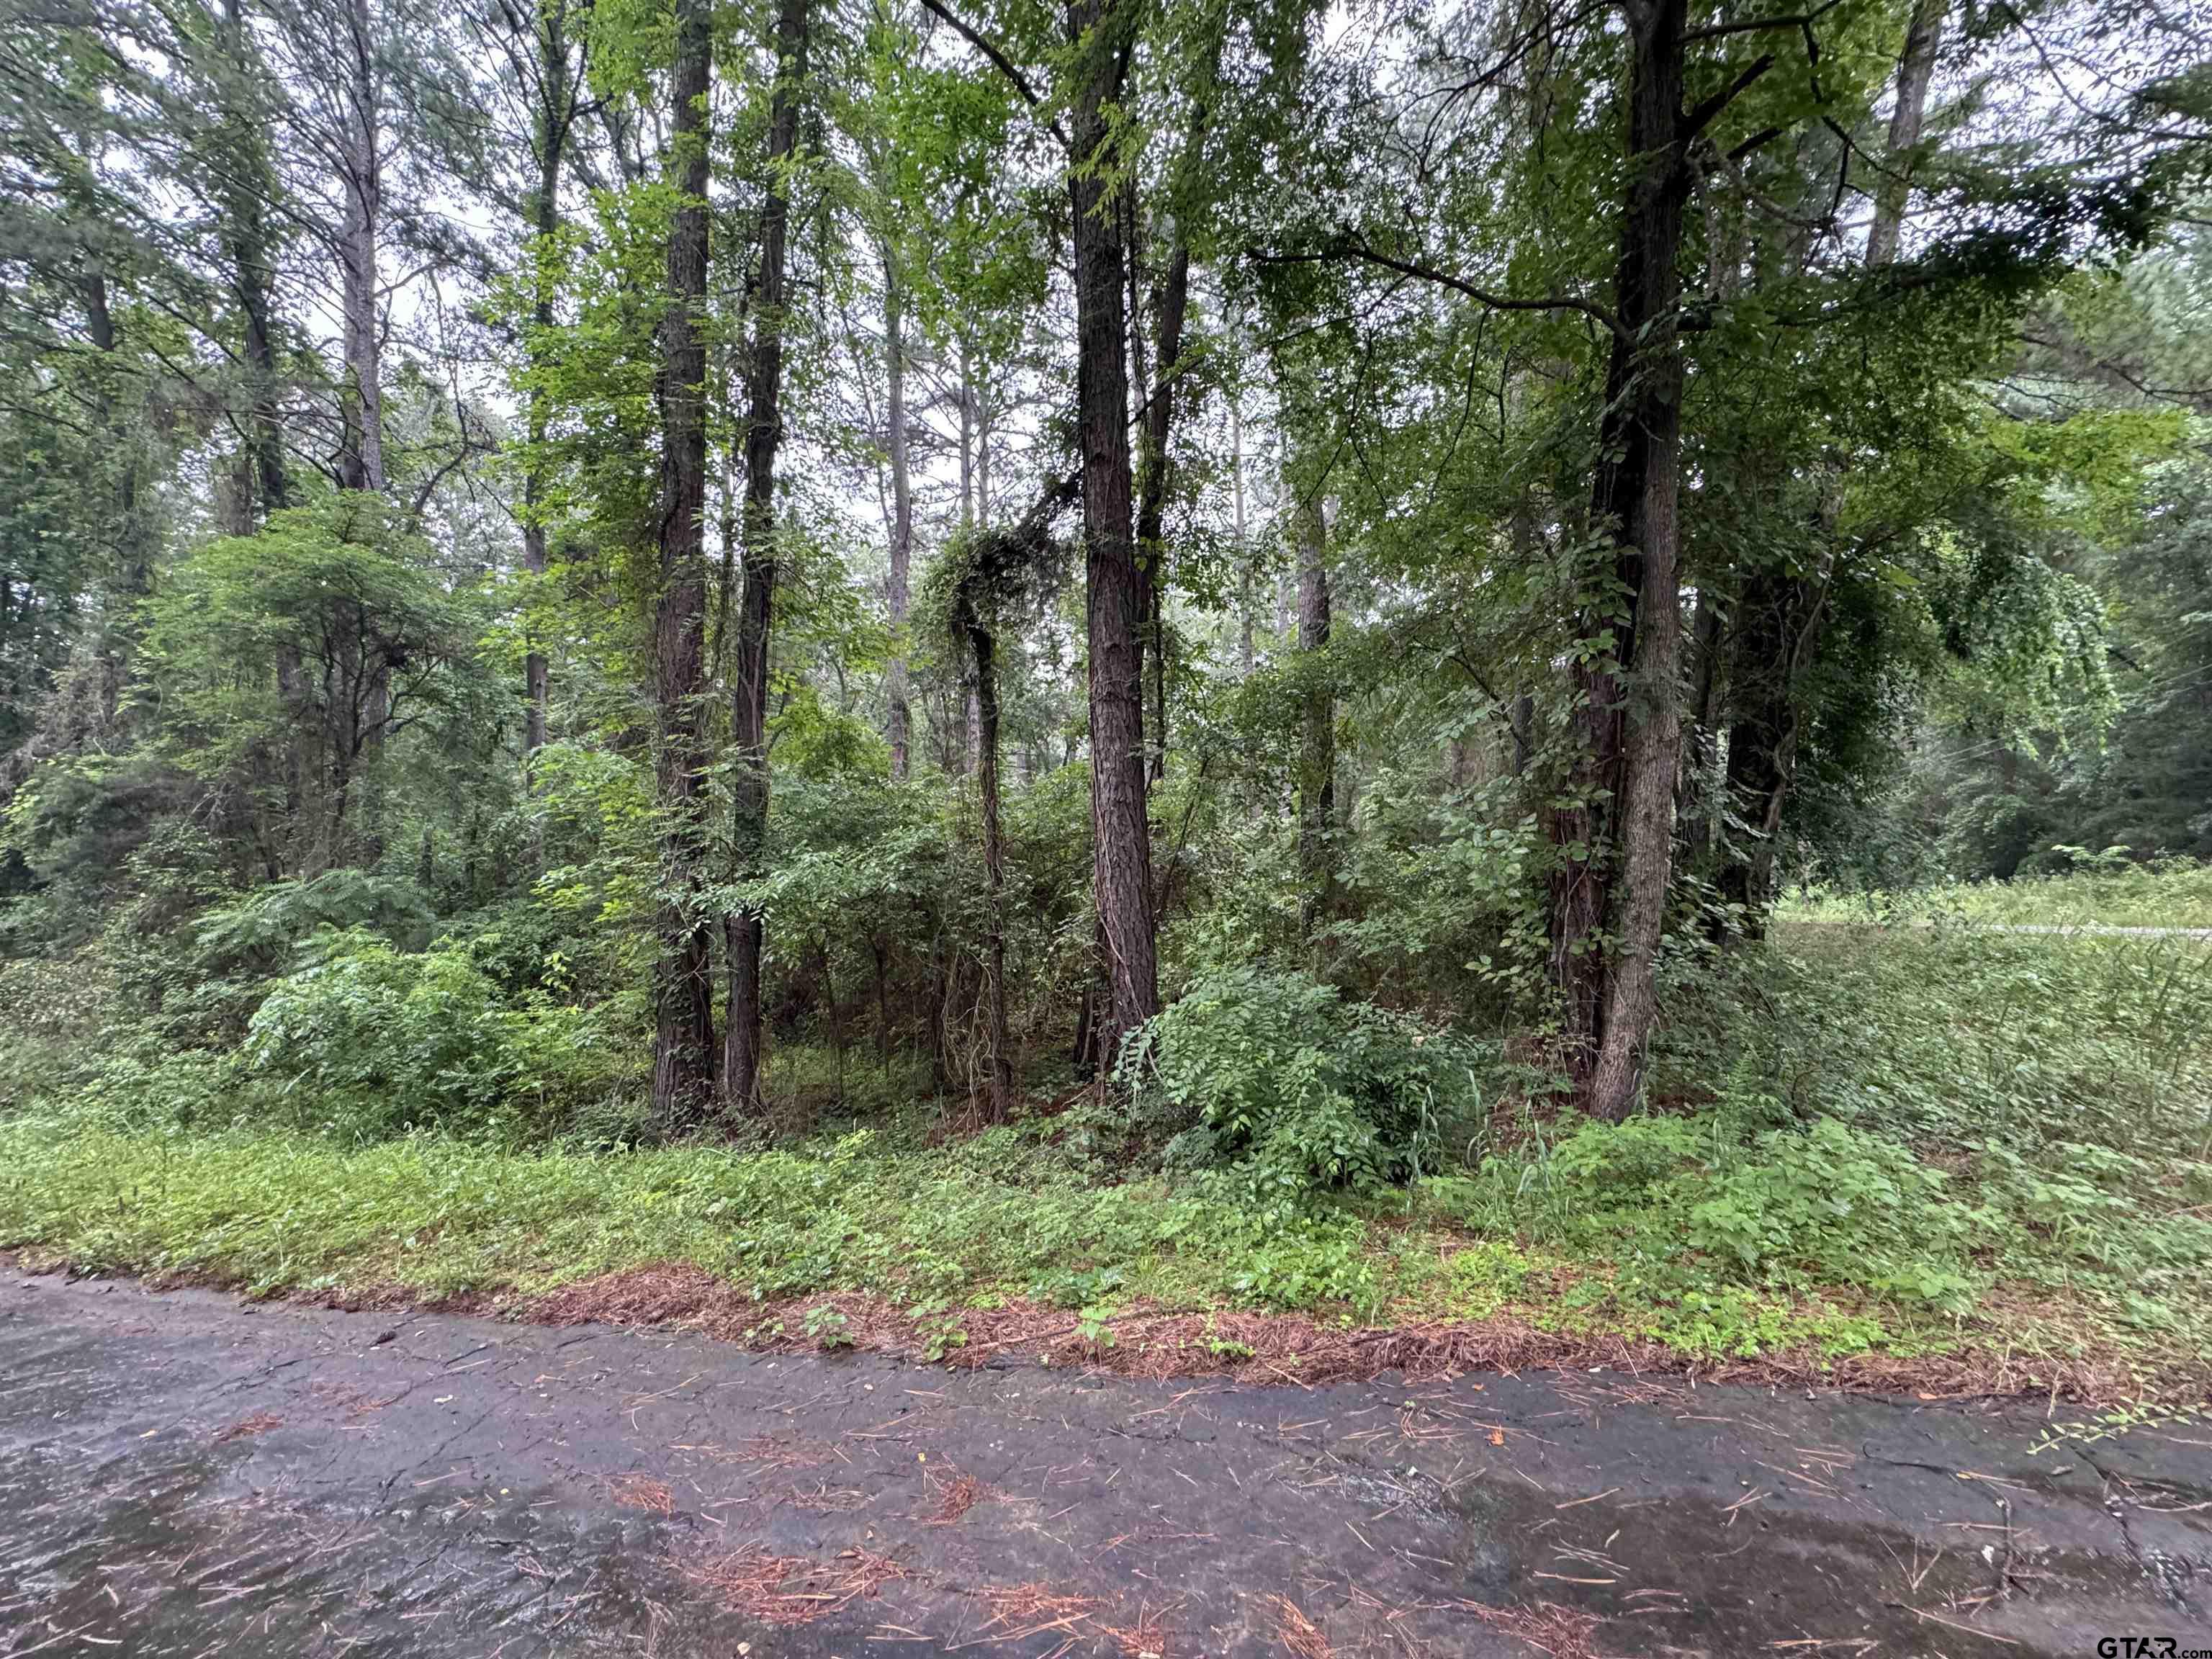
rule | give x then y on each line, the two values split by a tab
1317	748
683	1036
998	1066
550	141
742	1029
361	463
967	442
982	458
1122	837
249	244
1244	596
361	460
1760	715
1778	634
1924	40
901	716
1172	305
1706	634
877	951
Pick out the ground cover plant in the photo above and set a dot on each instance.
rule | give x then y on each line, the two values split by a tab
1211	682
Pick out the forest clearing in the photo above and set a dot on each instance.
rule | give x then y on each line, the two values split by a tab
1229	695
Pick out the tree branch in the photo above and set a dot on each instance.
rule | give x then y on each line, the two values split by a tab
1754	25
1005	65
1702	116
1589	308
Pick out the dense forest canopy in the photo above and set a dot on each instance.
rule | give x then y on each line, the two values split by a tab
569	565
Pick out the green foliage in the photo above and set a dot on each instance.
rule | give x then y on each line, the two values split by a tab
369	1041
1276	1073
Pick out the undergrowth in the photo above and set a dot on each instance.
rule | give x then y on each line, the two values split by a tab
1907	1144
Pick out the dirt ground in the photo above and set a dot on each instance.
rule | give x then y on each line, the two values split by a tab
182	1473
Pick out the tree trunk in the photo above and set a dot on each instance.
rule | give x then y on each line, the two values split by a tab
999	1065
741	1032
901	716
1778	634
1245	600
1759	697
1172	306
250	247
1317	749
967	440
683	1036
1624	824
1122	837
550	140
1694	809
361	460
1924	39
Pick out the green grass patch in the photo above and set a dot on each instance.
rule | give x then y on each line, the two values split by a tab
2173	893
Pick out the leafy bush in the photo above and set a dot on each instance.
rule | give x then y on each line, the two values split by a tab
262	928
1277	1072
377	1039
372	1041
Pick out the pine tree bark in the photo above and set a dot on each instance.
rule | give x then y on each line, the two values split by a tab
1122	861
1622	836
684	1033
742	1029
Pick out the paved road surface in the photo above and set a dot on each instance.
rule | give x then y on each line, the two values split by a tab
183	1475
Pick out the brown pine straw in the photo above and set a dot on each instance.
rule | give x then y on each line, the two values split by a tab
1298	1634
1563	1633
789	1589
1023	1612
1020	1612
1148	1341
956	1498
246	1427
642	1492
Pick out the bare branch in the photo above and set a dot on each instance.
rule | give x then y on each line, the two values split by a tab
1361	250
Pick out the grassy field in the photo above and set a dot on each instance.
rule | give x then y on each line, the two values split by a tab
2173	895
1943	1155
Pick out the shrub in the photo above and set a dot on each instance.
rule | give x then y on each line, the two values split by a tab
372	1041
1275	1071
378	1040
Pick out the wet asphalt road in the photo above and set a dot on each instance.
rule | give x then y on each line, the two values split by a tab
181	1475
